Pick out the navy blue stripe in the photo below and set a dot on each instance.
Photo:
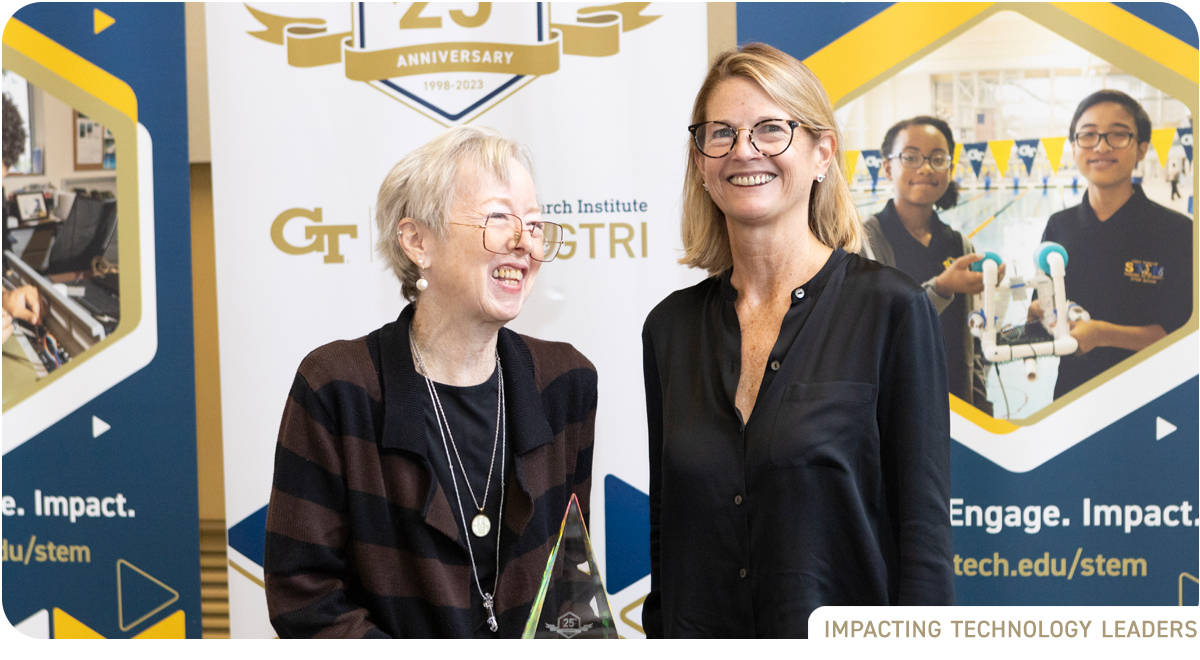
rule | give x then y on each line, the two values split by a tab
324	406
1166	17
299	477
288	556
307	621
366	513
569	399
801	28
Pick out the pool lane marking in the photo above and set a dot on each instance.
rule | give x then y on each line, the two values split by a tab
1002	209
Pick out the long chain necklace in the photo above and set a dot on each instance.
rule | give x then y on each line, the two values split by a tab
476	524
480	524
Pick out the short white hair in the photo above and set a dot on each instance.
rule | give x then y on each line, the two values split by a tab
425	183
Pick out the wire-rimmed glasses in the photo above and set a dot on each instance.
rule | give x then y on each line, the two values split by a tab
1115	139
502	233
770	137
914	160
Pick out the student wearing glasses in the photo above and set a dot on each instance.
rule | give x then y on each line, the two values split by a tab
1129	259
422	471
907	234
799	428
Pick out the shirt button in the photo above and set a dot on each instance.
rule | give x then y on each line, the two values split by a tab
742	573
737	499
799	293
775	365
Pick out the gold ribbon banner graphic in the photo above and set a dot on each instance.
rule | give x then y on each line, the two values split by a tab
309	43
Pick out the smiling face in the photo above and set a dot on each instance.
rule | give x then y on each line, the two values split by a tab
1103	166
923	186
465	280
747	186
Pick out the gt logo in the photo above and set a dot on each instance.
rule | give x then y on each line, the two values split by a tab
324	237
1186	139
872	161
1027	151
975	155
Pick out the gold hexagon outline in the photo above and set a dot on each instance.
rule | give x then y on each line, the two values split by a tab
876	51
99	94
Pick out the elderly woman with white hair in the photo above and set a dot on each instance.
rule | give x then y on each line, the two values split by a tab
422	471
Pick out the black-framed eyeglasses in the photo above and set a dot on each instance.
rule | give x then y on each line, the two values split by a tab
1115	139
502	234
770	137
913	160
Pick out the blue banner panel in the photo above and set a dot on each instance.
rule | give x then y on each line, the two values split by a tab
100	527
1062	492
801	28
1114	520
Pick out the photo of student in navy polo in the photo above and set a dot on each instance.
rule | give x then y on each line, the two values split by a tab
1130	259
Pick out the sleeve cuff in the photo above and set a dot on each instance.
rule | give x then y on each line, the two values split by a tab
939	303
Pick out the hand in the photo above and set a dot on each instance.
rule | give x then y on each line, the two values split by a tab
8	327
24	303
959	278
1035	313
1088	334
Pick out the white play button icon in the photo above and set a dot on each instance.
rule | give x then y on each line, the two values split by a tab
1162	428
100	426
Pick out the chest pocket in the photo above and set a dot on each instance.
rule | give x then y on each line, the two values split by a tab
821	424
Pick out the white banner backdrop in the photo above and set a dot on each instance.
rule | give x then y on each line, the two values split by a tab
311	104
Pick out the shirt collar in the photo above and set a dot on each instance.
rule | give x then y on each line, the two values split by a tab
404	390
1131	207
889	220
813	286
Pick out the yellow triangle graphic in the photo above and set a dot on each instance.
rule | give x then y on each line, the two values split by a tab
851	158
1161	139
101	21
1001	150
171	627
957	153
68	627
1054	149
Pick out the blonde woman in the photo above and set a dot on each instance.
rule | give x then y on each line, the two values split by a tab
422	471
796	399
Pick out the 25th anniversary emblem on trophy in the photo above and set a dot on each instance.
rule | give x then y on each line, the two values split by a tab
571	602
449	61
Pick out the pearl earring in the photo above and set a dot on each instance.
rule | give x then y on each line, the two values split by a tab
820	178
422	283
705	187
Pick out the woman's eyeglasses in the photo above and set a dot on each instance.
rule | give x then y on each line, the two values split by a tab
502	233
913	160
769	137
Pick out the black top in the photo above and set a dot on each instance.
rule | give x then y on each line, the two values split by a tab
835	492
471	413
924	263
1133	269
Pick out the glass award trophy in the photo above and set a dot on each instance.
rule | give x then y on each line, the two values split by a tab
571	603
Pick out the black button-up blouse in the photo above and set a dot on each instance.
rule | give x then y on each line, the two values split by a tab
836	490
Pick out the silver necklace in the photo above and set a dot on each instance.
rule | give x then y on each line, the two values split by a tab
476	526
480	524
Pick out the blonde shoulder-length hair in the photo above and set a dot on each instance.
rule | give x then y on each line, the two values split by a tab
831	214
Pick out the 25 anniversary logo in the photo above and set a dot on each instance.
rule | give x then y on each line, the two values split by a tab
446	61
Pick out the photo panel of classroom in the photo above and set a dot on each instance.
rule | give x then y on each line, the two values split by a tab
1008	88
60	234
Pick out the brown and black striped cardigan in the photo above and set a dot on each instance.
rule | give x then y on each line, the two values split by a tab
362	541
